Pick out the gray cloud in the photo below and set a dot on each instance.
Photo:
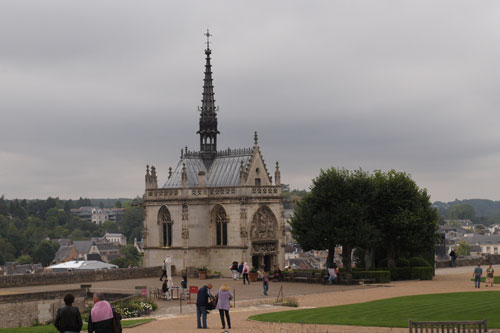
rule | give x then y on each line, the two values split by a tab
92	91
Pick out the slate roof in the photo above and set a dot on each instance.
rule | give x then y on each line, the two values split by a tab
94	256
482	239
62	253
106	246
62	241
83	247
224	170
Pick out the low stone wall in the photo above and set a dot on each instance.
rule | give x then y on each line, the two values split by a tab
10	281
28	309
471	261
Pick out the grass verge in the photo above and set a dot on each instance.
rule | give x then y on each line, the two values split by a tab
395	312
52	329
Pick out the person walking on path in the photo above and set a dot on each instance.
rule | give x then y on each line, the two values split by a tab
164	270
202	300
246	270
101	316
68	318
490	272
234	270
453	257
265	283
224	296
240	270
478	271
164	289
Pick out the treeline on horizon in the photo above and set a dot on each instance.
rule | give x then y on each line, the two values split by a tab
479	211
26	226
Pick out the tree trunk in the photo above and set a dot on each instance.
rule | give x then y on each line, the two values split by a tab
369	258
391	256
330	258
346	257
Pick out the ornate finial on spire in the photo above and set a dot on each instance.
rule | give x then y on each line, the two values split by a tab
186	150
208	117
169	172
182	153
147	169
277	174
242	172
255	138
184	177
208	39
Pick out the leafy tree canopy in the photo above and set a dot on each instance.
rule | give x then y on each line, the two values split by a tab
382	211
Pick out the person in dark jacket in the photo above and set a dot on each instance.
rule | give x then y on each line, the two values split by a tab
240	270
202	300
68	318
101	316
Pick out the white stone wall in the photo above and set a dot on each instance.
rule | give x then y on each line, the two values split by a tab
200	248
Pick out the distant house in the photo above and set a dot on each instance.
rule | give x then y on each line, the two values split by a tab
83	248
98	215
118	239
105	250
14	268
65	253
488	244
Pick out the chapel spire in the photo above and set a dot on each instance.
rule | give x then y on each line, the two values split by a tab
208	117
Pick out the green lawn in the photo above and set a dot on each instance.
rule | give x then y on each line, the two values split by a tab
496	280
395	312
52	329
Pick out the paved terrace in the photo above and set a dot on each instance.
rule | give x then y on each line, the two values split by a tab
250	301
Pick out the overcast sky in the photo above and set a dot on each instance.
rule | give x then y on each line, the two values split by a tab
92	91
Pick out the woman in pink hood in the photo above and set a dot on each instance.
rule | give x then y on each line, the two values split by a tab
101	316
246	270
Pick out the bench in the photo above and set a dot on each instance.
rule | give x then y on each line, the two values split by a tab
477	326
363	281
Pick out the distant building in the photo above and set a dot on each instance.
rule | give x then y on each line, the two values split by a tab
488	244
80	266
65	253
98	215
118	239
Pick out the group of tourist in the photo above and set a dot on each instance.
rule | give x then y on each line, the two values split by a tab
238	271
205	302
477	275
102	318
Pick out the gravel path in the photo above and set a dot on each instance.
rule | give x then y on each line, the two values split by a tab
446	280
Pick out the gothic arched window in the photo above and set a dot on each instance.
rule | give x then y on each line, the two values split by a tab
165	222
221	221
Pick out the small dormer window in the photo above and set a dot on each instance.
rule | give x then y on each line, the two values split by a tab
257	171
257	181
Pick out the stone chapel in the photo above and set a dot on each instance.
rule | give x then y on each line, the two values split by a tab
216	207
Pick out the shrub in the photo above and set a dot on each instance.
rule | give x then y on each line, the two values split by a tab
402	262
136	307
379	276
411	273
203	269
422	273
419	262
291	301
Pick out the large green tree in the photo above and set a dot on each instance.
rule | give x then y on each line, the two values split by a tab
404	217
380	213
336	212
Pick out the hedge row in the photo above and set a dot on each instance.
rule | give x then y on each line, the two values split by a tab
411	273
379	276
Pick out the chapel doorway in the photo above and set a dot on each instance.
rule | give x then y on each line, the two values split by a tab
262	262
264	238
